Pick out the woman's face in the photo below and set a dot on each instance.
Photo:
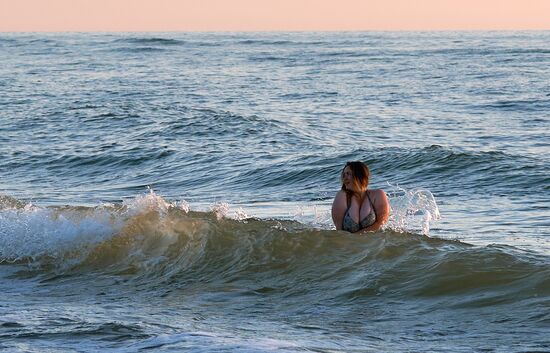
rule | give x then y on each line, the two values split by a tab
347	178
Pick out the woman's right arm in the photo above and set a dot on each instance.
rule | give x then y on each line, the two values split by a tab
338	209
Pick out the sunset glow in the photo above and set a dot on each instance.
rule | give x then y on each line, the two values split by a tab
272	15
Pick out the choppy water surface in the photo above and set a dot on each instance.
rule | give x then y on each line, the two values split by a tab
172	191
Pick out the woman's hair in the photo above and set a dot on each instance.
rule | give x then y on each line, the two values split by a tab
360	173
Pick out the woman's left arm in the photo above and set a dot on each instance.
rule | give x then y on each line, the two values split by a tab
382	209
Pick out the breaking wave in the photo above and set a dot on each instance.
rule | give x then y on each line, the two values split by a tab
164	245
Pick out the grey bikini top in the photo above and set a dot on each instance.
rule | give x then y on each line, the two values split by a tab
350	225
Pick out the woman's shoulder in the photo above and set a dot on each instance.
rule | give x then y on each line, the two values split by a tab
378	194
340	195
340	198
377	191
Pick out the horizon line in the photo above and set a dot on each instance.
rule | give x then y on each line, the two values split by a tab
280	31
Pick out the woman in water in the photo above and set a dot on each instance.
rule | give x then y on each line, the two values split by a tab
355	207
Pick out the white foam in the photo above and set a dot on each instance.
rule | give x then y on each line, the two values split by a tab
150	201
33	232
220	209
412	210
225	341
240	214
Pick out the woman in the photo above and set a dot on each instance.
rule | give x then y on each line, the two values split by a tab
356	208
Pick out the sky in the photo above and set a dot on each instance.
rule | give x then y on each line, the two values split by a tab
271	15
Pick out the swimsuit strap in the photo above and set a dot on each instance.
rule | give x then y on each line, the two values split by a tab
371	204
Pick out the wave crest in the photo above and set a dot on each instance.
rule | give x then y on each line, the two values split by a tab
155	243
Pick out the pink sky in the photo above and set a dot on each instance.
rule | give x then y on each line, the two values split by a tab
272	15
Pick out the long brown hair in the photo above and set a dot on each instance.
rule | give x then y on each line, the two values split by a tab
360	173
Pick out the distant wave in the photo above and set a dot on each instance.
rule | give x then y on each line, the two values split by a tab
7	41
143	49
101	159
350	54
149	41
264	41
421	166
474	52
309	95
436	167
532	105
471	170
281	42
269	57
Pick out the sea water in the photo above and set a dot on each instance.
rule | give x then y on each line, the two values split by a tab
172	192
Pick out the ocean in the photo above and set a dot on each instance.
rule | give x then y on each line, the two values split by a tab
171	192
